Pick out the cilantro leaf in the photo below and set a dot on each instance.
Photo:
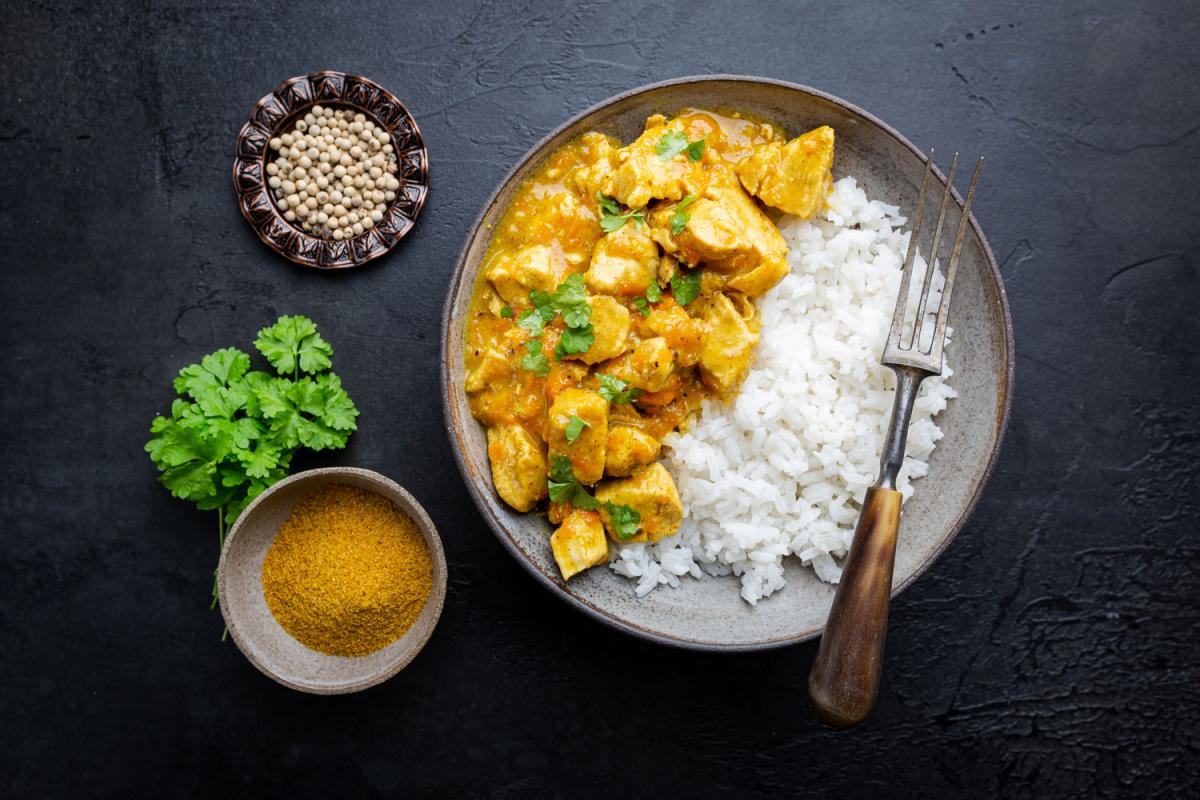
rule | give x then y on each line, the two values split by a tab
338	411
561	483
625	519
614	222
653	292
574	341
506	312
695	150
215	370
680	217
671	144
574	428
641	305
531	321
607	204
292	344
685	288
615	390
535	360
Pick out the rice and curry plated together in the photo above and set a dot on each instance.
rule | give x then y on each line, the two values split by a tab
618	294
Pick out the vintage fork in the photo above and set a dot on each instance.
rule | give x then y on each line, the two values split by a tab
844	680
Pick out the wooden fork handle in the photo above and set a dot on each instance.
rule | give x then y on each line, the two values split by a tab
844	680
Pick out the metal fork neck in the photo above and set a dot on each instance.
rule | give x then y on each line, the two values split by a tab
908	381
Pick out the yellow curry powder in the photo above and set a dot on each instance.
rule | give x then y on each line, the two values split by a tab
348	573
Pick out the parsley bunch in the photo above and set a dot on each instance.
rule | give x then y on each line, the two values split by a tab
232	430
569	300
564	487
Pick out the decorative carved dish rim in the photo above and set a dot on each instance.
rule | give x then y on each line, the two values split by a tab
280	108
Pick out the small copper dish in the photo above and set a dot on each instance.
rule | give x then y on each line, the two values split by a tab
275	114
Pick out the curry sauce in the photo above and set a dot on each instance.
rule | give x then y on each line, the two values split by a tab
618	293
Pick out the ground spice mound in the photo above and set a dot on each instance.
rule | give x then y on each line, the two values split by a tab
348	573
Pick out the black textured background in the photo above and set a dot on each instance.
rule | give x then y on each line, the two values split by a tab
1053	651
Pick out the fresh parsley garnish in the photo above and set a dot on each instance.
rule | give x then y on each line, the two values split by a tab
532	321
574	340
506	312
695	150
574	428
570	300
232	431
641	305
685	288
563	487
611	218
535	360
615	390
625	519
671	144
653	292
680	217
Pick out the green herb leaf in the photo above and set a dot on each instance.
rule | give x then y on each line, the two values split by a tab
615	390
607	204
653	292
506	312
574	428
695	150
574	341
641	305
535	360
680	217
561	483
532	321
686	288
614	222
293	343
625	519
671	144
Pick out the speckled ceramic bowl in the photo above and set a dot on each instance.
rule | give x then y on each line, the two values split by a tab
710	614
272	649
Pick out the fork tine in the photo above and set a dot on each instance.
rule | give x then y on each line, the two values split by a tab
933	254
906	269
943	313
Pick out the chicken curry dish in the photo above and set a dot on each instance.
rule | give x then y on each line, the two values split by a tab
618	293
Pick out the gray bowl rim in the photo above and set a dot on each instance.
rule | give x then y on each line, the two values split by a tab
437	595
497	526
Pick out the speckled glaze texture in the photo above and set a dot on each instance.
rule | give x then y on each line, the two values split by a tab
275	114
710	614
260	637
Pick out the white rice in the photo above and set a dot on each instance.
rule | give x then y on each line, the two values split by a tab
781	471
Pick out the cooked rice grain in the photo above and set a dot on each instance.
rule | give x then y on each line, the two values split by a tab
782	470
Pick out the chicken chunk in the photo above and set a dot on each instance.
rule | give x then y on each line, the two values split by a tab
624	262
684	334
728	233
492	368
651	492
579	543
587	449
629	448
599	157
795	177
610	323
642	176
535	267
728	346
518	466
648	366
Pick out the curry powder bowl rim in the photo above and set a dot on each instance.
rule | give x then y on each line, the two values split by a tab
251	632
273	113
479	485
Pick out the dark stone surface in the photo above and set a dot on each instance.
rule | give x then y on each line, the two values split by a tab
1052	652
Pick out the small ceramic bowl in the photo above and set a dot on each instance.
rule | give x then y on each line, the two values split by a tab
244	606
275	114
